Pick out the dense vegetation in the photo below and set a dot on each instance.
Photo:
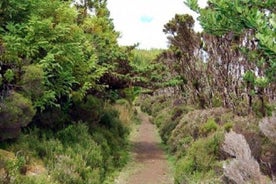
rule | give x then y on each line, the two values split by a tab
195	139
232	62
61	72
63	76
211	118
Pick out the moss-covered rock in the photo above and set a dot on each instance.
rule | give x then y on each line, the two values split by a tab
16	111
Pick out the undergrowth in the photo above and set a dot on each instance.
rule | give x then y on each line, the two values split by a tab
81	153
194	138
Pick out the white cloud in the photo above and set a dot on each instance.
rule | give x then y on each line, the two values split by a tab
143	20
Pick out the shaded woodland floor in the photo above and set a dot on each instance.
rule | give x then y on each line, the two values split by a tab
149	164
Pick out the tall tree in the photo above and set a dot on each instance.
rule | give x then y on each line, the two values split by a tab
255	21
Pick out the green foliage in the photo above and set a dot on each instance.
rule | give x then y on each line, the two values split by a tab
228	126
90	110
75	154
14	11
180	110
123	102
249	77
226	16
48	99
262	82
146	106
159	104
16	111
161	118
208	127
132	93
9	75
166	130
58	53
217	102
174	81
142	59
147	71
268	108
33	180
192	4
61	57
199	160
110	119
32	81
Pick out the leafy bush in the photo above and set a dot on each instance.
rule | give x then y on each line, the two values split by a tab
162	118
32	81
110	119
14	170
179	111
228	126
208	127
89	110
126	112
146	106
54	118
159	104
76	154
74	170
257	108
200	159
166	130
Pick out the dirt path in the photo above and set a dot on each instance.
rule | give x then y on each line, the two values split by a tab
149	165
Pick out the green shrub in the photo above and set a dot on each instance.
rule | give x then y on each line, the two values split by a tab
90	110
257	108
76	154
42	179
217	101
159	105
110	120
183	146
200	159
75	133
131	93
146	106
32	81
74	169
228	126
179	111
210	177
54	118
208	127
166	130
161	118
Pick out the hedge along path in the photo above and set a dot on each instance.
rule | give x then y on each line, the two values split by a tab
149	164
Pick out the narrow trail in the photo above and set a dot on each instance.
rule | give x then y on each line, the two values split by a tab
149	165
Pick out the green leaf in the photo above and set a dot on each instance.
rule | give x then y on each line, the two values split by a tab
9	75
262	82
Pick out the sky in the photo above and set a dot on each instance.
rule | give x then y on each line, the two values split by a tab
142	21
